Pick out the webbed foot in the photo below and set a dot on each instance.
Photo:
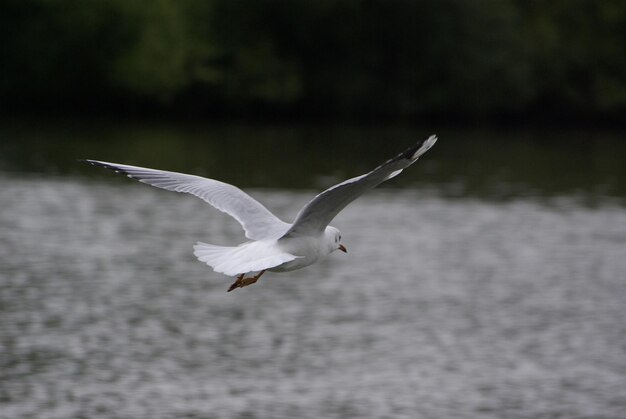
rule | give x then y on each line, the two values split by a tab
244	282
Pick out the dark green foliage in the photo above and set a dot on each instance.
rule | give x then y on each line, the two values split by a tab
346	58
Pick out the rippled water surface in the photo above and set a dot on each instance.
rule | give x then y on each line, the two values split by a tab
448	304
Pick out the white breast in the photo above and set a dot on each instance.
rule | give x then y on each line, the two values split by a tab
310	248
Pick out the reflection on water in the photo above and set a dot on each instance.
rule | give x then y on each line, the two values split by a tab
483	163
463	307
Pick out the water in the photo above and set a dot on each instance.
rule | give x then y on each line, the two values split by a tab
483	293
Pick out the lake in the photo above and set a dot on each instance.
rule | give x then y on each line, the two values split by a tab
486	281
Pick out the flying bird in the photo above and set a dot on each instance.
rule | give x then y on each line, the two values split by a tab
273	245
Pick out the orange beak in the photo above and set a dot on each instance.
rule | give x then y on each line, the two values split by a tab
343	248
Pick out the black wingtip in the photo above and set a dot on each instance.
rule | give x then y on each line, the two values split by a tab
420	148
99	164
408	153
88	161
108	166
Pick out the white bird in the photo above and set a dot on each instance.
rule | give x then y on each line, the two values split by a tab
274	245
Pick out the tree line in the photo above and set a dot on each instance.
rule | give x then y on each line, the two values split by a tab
369	59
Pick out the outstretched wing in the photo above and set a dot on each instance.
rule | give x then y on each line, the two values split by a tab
257	221
318	213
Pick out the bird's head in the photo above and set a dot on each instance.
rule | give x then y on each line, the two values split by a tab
333	237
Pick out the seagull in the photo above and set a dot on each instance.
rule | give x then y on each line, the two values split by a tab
273	245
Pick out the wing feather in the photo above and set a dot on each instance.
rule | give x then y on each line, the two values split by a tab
257	221
319	212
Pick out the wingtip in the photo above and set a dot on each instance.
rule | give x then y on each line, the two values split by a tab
111	166
424	146
89	161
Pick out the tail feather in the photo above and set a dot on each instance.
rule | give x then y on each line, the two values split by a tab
210	253
249	257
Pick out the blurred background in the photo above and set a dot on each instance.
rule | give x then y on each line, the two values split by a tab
371	60
487	281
